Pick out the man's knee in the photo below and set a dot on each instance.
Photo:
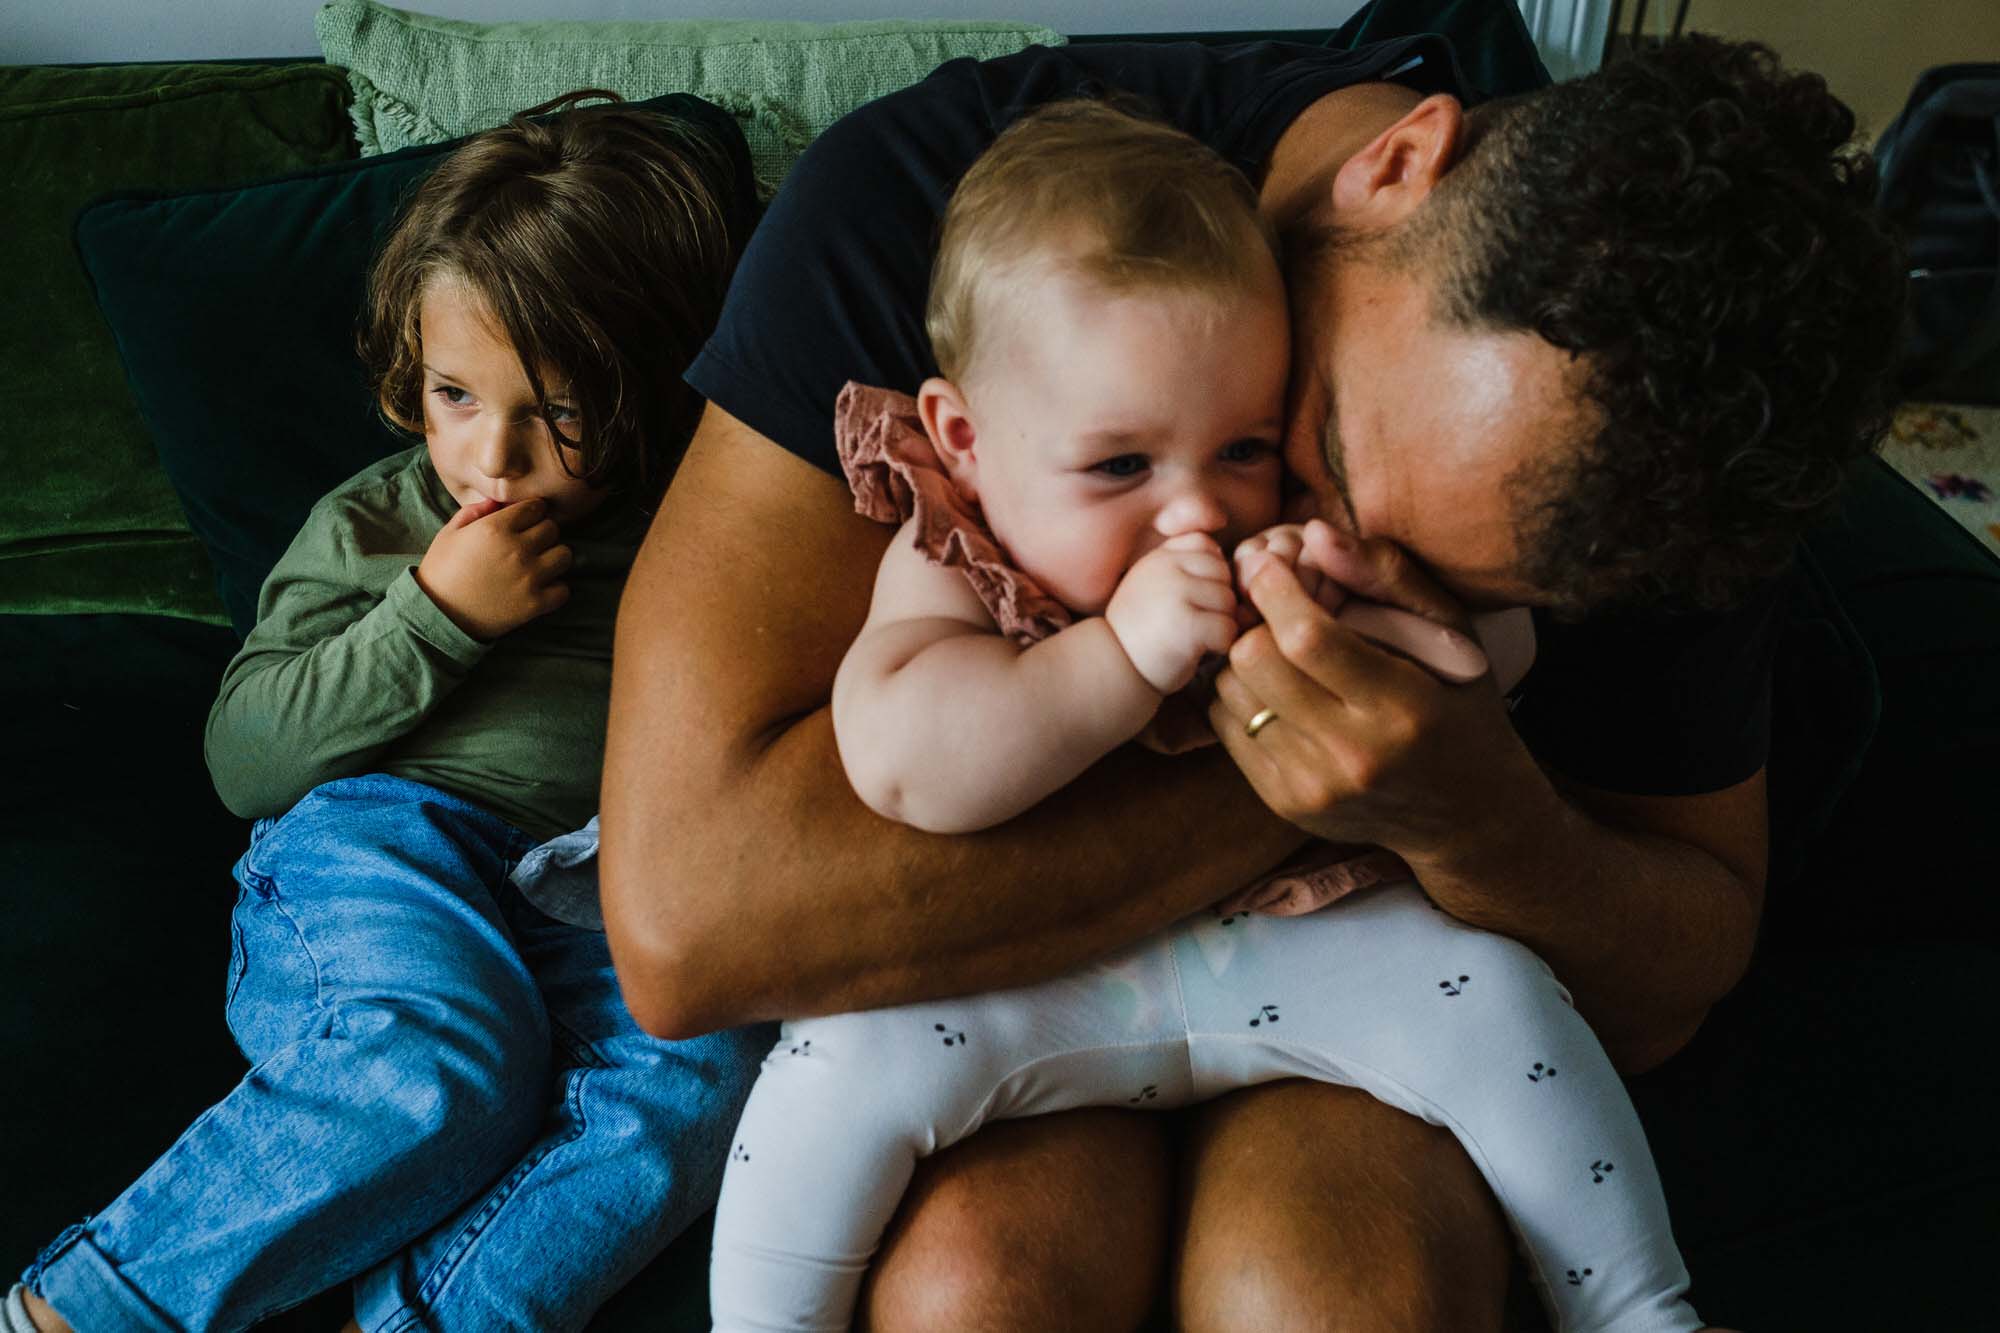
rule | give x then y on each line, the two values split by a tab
1313	1207
1053	1222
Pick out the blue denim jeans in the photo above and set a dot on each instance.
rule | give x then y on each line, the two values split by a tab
448	1102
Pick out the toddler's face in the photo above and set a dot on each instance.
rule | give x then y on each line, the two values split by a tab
485	431
1108	423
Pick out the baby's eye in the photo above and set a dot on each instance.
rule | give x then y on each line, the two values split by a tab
1125	465
1245	451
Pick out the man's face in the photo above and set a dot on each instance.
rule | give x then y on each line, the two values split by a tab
1403	427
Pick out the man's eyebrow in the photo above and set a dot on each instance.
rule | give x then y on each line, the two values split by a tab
1334	452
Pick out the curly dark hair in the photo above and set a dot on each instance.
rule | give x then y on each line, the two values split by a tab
601	238
1696	223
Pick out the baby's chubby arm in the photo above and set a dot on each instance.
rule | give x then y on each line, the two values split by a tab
945	724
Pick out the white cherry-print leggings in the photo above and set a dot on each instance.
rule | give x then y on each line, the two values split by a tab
1382	991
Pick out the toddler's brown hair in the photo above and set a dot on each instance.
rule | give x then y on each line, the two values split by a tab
601	238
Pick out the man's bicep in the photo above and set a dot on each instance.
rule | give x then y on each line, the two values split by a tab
751	583
1715	925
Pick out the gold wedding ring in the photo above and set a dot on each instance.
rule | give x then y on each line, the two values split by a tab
1265	717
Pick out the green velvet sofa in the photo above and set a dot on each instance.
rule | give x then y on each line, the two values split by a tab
154	468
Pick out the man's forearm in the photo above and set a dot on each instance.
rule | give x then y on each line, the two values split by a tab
778	893
1647	931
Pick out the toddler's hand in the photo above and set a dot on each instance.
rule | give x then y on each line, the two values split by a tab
1176	604
495	567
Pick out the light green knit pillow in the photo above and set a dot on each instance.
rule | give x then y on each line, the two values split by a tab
419	79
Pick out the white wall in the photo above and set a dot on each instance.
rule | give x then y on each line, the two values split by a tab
85	31
52	31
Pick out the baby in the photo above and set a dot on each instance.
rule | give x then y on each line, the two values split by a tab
1109	317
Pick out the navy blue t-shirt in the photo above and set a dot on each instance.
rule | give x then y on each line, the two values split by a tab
832	289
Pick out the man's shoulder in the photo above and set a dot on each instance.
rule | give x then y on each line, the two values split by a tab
1223	94
1655	701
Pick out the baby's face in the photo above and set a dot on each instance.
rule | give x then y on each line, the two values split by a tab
1109	423
485	431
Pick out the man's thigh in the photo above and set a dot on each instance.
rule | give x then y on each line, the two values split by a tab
1056	1221
1308	1206
1301	1206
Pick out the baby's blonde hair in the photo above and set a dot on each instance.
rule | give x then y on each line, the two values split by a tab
1142	205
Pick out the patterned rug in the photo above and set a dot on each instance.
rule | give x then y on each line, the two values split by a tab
1953	455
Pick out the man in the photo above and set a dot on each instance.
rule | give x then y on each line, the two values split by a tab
1602	351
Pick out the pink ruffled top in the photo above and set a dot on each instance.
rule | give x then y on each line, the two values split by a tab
895	473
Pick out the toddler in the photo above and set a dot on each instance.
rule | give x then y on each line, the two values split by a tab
1109	318
448	1104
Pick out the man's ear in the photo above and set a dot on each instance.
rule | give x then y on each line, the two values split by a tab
1383	183
948	421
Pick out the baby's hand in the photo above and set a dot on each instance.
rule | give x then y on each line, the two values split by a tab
1450	655
1286	542
1176	604
495	567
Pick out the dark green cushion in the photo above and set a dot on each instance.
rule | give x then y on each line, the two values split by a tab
90	524
235	313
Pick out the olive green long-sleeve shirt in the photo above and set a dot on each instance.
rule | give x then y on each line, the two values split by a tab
353	669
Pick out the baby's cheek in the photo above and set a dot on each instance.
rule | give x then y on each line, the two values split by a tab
1088	591
1082	578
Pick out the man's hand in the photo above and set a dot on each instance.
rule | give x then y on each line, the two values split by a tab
1285	542
1174	606
1312	549
495	567
1366	745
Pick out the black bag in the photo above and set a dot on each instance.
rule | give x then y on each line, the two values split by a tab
1940	162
